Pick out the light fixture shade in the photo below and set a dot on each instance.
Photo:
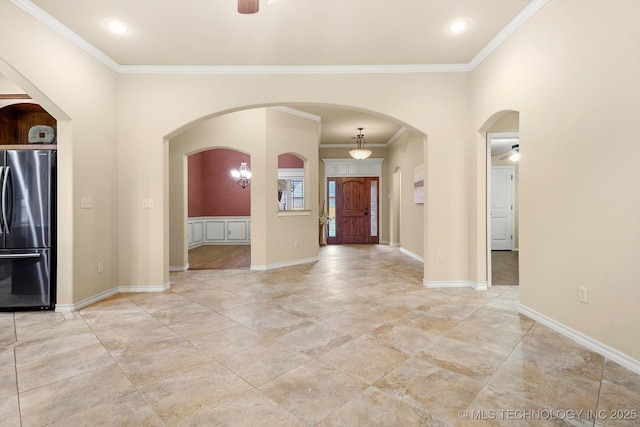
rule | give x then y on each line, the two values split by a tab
248	6
515	153
360	153
242	176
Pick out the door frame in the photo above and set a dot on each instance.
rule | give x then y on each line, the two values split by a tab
513	137
512	211
348	167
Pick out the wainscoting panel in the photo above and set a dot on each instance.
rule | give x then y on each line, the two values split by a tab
215	230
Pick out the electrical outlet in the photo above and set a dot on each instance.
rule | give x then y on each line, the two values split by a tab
100	267
583	295
86	203
295	243
439	258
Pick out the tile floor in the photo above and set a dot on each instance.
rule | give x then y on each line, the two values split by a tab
352	340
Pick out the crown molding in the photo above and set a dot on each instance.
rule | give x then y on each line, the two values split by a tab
351	145
39	14
65	32
395	136
293	69
517	22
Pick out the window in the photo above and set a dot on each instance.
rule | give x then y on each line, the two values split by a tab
331	225
291	191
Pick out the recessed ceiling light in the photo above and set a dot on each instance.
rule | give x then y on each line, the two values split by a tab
116	27
458	26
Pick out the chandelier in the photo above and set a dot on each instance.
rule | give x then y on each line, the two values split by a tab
242	176
360	153
515	153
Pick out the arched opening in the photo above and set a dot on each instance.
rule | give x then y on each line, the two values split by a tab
218	211
266	156
502	171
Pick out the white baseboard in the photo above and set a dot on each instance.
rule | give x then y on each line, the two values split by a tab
284	264
602	349
454	284
412	255
67	308
179	267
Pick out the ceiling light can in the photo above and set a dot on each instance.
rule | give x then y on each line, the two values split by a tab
116	27
458	26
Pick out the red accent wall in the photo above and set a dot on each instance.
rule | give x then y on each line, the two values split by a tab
212	192
290	161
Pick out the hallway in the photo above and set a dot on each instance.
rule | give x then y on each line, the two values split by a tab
354	339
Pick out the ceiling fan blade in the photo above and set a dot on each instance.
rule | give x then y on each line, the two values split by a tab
248	6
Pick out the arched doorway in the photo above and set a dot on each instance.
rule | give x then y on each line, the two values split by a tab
502	201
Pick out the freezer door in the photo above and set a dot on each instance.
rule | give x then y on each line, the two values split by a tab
25	280
25	192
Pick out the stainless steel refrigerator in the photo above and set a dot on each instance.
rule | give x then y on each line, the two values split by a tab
27	229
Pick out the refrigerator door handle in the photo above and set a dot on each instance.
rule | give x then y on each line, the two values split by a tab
5	223
2	209
14	256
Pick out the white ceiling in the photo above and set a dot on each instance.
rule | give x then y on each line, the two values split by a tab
289	33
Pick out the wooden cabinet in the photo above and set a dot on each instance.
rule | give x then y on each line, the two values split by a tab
17	119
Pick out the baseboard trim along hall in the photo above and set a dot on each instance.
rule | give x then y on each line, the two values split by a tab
66	308
602	349
412	255
179	267
454	284
284	264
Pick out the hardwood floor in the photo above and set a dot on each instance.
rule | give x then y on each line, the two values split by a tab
504	268
220	257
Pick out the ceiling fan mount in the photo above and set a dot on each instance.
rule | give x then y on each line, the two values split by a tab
248	7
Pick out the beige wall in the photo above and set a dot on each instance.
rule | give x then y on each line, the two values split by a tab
417	100
573	73
81	94
404	155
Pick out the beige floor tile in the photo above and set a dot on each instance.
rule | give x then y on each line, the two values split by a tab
60	366
10	411
312	391
619	399
127	411
315	336
264	362
73	395
182	395
181	313
502	342
545	386
428	322
229	340
462	358
7	330
437	391
372	408
8	384
314	340
47	347
164	362
277	324
202	325
499	319
548	348
107	328
250	409
365	358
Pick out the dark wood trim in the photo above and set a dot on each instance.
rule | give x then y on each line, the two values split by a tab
14	96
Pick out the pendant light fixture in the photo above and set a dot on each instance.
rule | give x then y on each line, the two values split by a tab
248	7
360	153
242	176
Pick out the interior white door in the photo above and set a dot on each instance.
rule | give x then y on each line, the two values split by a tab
502	208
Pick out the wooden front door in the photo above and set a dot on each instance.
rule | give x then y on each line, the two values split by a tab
356	210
